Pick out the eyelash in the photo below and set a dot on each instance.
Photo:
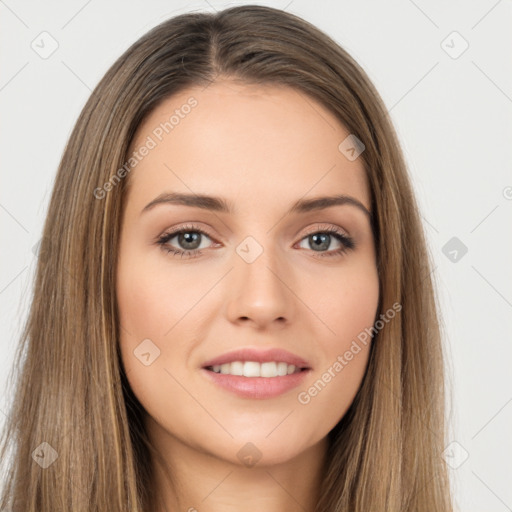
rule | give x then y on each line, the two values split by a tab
162	240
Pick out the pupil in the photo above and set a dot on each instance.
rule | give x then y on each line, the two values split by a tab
189	238
322	238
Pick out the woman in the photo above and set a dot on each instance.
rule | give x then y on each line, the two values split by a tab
233	304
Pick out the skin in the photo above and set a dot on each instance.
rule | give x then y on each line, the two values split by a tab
261	148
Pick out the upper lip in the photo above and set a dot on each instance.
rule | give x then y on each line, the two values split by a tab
260	356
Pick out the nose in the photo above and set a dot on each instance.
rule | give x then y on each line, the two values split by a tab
260	293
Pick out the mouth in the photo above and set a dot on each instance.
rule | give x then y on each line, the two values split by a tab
255	374
252	369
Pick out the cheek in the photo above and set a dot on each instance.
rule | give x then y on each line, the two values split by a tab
345	302
150	300
347	308
148	308
156	303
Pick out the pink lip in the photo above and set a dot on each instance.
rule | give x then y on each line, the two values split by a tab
259	356
257	387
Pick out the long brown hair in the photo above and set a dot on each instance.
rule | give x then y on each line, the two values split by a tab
71	398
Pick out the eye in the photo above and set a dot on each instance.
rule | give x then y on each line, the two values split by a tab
188	237
322	239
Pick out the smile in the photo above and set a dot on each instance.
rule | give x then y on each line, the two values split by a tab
255	369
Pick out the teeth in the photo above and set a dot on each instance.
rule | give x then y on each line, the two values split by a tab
282	369
254	369
237	368
251	369
268	370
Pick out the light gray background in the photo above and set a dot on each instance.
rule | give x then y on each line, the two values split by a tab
453	116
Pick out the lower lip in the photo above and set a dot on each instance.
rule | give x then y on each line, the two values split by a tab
257	387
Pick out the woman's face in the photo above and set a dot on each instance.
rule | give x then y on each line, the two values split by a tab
271	272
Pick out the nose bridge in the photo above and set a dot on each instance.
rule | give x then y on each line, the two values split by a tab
259	290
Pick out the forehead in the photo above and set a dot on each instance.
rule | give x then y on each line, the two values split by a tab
252	141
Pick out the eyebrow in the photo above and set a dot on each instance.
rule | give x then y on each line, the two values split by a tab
219	204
